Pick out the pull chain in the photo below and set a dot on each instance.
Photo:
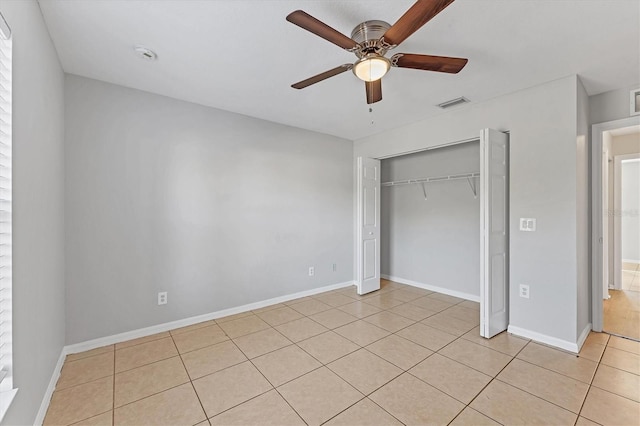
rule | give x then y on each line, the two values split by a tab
371	112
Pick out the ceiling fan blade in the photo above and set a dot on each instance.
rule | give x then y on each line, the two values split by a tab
414	18
322	76
428	62
309	23
374	91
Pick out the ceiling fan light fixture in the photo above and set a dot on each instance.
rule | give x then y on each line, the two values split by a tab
372	67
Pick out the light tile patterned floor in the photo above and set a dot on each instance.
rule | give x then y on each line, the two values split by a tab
622	310
631	276
399	356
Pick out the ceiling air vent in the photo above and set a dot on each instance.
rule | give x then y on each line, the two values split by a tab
453	102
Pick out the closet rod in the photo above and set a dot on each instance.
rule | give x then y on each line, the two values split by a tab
431	179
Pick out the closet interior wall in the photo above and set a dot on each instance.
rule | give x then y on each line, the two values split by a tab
434	241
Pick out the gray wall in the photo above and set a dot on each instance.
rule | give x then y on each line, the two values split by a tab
434	241
216	208
630	221
38	217
543	185
583	209
612	105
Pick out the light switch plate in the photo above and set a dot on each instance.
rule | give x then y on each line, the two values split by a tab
527	224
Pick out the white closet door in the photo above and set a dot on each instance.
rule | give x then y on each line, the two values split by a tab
368	226
494	232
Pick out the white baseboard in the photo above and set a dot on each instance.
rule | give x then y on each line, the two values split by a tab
148	331
44	406
454	293
6	398
538	337
583	336
552	341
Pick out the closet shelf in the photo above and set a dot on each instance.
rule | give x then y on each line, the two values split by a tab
468	176
431	179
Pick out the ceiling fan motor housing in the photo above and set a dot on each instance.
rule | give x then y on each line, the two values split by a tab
368	35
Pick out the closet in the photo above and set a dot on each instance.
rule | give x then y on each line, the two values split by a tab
430	219
438	219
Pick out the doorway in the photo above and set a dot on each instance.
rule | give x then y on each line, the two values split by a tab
616	227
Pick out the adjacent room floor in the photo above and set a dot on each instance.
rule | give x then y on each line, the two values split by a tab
622	311
399	356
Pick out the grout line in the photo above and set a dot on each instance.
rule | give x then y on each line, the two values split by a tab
154	393
83	383
588	390
402	369
217	371
359	346
487	385
610	333
89	356
328	331
90	417
204	347
562	374
142	365
268	381
141	343
150	395
383	409
617	368
542	398
492	377
192	328
340	412
190	381
612	392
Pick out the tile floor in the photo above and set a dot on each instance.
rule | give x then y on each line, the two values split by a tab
622	310
399	356
631	276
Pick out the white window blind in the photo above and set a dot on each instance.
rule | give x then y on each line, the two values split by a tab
6	376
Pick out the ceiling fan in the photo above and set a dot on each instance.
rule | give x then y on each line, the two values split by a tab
371	40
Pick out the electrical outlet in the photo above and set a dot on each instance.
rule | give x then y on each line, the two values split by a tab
162	298
527	224
524	291
312	271
334	267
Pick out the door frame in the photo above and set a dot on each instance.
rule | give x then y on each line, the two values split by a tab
597	215
617	220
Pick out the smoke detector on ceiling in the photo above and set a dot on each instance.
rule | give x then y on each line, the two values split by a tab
145	53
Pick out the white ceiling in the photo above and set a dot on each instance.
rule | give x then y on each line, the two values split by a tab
242	56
